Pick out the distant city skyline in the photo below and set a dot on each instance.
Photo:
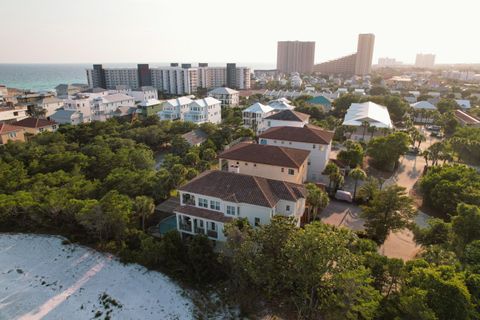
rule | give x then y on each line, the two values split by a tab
136	31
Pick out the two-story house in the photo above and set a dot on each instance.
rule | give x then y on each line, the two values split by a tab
9	132
217	197
253	116
267	161
174	109
228	97
204	110
37	125
311	138
285	118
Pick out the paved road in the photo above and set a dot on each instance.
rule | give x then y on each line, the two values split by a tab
398	244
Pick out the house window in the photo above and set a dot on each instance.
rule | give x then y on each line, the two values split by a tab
12	134
257	222
246	163
291	172
230	210
283	169
203	203
254	164
287	208
314	146
263	141
269	123
15	113
214	205
213	226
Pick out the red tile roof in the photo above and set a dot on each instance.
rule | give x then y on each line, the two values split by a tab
308	134
466	118
241	188
289	115
35	123
5	128
266	154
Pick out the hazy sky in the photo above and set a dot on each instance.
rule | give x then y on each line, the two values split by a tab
61	31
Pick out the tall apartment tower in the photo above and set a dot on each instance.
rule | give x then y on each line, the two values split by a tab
232	75
426	60
98	77
363	63
295	56
144	76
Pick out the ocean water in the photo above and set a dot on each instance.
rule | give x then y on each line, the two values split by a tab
39	77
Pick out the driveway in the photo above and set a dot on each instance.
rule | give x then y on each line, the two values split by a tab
399	244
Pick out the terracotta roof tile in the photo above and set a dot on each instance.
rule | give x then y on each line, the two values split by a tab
289	115
308	134
266	154
5	128
34	123
241	188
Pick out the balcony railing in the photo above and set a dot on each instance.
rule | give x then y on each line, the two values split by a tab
212	234
199	230
185	227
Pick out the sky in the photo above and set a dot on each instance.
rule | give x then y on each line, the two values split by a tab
135	31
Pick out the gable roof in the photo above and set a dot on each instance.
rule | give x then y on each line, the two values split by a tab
463	103
281	104
35	123
423	105
289	115
65	114
205	102
266	154
320	100
5	128
180	101
223	90
195	136
376	115
466	118
116	97
241	188
308	134
257	107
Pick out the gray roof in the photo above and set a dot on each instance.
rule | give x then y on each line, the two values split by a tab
195	136
223	90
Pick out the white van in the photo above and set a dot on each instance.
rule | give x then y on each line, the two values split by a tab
344	196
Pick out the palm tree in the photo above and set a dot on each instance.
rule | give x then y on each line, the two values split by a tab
144	207
372	130
426	156
365	125
317	200
420	138
337	179
331	169
369	189
357	174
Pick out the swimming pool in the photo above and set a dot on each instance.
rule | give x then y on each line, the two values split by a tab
167	224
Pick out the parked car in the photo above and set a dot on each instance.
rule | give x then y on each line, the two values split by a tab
432	127
436	134
343	195
414	150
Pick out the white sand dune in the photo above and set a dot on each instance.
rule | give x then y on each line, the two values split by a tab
40	278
